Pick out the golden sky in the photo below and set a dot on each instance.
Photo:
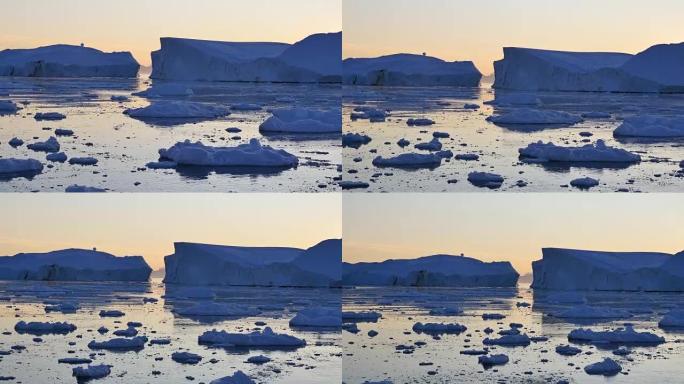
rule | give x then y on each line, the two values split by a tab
137	25
508	227
148	224
477	30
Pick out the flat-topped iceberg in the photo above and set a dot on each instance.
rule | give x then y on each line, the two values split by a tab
651	126
301	120
438	328
409	70
315	59
203	264
625	335
570	269
266	338
252	154
44	328
589	153
17	166
657	69
437	270
176	109
66	61
74	265
120	344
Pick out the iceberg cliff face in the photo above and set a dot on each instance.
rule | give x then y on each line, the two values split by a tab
569	269
316	59
437	270
657	69
409	70
73	265
66	61
203	264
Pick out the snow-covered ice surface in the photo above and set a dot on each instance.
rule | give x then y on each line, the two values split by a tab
497	145
401	355
124	145
319	361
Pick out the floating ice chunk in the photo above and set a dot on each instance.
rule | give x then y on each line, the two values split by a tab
248	155
370	113
514	99
625	335
49	116
91	372
75	188
446	311
493	316
409	70
163	341
467	156
622	351
83	160
301	120
409	160
111	313
246	107
16	142
607	367
128	332
44	328
419	122
74	360
598	152
350	316
186	357
11	165
161	164
352	184
403	142
317	317
432	145
176	109
485	179
237	378
265	338
120	344
584	182
351	327
259	359
596	115
63	132
438	328
62	307
672	319
58	157
354	139
165	90
217	309
651	126
491	360
567	350
50	145
7	106
508	340
534	116
589	312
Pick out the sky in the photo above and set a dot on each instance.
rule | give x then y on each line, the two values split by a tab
137	25
148	224
508	227
478	30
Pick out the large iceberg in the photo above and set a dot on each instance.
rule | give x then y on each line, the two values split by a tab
436	270
570	269
203	264
409	70
73	265
67	61
316	59
657	69
252	154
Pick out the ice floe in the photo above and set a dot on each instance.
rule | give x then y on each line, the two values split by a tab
300	120
590	153
265	338
252	154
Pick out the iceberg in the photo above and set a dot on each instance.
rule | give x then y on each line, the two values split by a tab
19	166
438	328
409	70
120	344
186	357
315	59
252	154
491	360
266	338
73	265
50	116
91	372
509	341
672	319
300	120
436	270
50	145
657	69
7	106
625	335
589	153
177	109
573	270
409	160
354	140
607	367
317	317
39	328
66	61
485	179
651	126
351	316
238	377
203	264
